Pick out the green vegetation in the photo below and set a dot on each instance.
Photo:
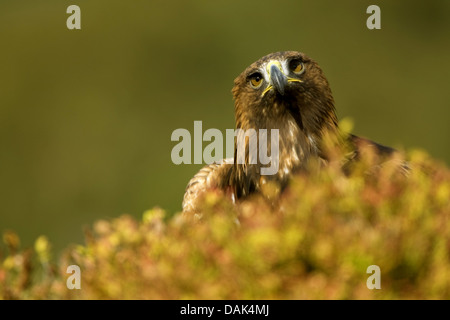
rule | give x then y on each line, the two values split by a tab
86	116
85	124
316	242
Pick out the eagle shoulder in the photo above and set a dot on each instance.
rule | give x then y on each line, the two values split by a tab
210	177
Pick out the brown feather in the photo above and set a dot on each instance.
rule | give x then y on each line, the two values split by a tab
303	113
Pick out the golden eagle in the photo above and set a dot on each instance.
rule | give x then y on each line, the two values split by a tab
287	91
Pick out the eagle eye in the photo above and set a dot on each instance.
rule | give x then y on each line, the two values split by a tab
256	80
296	66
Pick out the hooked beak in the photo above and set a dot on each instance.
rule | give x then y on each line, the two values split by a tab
278	79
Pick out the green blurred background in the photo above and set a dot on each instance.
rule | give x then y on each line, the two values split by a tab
86	115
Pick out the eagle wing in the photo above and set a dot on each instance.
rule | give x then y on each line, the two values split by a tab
215	176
